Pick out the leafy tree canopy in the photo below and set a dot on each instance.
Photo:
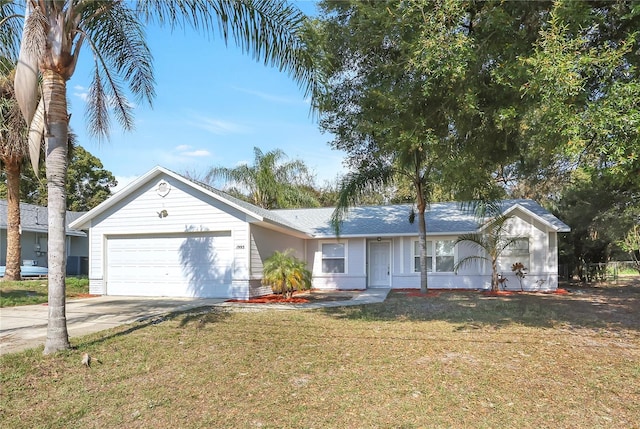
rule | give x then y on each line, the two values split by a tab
88	183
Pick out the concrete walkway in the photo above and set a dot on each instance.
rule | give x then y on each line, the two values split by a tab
25	326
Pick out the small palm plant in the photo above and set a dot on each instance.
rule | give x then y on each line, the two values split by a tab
493	242
285	274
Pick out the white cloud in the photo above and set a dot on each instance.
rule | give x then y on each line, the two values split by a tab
197	153
269	97
217	126
183	147
81	92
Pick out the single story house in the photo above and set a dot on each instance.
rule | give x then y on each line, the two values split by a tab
33	238
166	235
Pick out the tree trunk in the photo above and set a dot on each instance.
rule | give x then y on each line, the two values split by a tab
14	248
495	285
422	228
56	139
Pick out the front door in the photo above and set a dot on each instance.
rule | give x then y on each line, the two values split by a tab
379	264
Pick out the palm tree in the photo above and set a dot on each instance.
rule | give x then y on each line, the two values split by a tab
55	31
270	183
492	242
286	274
10	30
13	149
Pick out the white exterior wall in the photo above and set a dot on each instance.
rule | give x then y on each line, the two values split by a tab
187	211
542	273
542	266
355	276
473	276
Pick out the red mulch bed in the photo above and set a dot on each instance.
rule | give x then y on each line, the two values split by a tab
437	292
499	293
413	292
271	299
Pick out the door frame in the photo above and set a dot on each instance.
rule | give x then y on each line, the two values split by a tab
370	265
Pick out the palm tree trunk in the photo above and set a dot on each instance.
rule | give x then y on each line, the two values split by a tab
495	285
14	250
56	137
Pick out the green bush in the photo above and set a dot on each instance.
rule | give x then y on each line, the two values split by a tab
285	273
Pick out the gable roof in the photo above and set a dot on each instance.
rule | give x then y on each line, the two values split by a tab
35	218
384	221
266	217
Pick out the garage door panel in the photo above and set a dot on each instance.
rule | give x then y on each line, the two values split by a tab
170	265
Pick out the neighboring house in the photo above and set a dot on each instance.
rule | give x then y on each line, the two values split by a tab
165	235
33	239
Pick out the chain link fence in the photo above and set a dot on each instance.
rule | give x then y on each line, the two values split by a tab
598	272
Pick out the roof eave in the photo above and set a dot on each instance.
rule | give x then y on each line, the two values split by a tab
276	226
391	235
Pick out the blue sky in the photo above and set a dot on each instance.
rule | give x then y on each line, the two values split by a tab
213	105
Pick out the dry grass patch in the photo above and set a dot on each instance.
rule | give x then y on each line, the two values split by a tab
454	360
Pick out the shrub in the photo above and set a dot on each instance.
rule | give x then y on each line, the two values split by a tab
285	274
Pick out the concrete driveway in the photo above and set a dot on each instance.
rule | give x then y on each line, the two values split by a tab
25	327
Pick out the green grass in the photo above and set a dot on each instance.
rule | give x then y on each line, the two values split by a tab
28	292
451	360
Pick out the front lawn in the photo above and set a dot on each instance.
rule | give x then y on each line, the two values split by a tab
449	360
28	292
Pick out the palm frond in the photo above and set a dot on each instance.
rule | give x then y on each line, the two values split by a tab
36	134
121	54
12	125
354	184
10	30
468	261
270	30
31	48
483	208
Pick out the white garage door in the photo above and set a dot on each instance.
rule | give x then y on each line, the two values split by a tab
185	265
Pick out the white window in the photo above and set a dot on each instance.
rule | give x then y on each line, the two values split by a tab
445	256
444	251
333	258
517	251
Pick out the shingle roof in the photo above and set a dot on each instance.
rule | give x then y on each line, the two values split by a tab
390	220
441	218
35	218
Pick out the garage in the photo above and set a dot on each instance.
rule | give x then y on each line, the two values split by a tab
194	264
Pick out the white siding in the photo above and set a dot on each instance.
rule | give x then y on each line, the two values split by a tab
542	265
188	211
264	242
542	262
355	266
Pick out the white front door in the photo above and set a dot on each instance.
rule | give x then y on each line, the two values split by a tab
379	264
